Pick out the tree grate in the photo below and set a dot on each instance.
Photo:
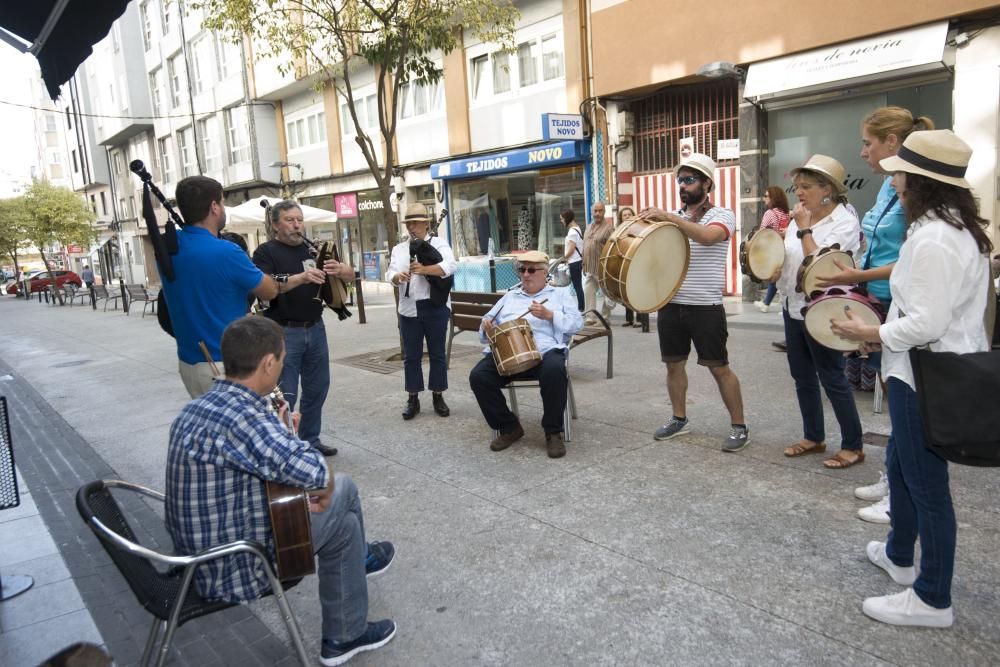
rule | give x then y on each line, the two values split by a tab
389	361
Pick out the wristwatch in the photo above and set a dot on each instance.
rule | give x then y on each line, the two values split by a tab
802	233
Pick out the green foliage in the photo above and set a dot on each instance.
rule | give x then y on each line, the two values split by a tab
13	227
57	215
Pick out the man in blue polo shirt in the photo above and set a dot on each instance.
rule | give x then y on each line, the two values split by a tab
212	280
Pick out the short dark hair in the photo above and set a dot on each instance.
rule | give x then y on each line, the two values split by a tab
195	195
568	216
281	207
246	341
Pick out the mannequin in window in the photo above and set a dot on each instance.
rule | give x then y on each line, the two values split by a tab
483	230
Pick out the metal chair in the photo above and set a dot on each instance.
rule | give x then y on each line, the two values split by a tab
168	595
569	413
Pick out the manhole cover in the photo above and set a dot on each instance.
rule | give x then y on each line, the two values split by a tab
387	361
69	364
875	439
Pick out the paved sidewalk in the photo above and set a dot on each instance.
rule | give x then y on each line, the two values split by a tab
626	551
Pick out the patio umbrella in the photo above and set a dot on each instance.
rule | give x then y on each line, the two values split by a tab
60	33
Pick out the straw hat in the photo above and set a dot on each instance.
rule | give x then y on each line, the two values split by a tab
937	154
533	257
826	165
416	213
698	162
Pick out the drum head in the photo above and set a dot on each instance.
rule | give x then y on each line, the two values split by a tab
822	267
822	310
657	266
765	254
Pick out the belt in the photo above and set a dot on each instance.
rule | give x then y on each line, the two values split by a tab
295	324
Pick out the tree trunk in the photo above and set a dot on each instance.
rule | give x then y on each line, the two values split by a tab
56	292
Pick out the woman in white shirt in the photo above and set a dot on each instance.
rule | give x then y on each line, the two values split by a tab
938	299
573	253
424	312
820	219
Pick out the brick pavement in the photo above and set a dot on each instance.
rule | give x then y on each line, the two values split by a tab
55	461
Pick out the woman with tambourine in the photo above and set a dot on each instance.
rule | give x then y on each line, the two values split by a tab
820	219
938	289
883	131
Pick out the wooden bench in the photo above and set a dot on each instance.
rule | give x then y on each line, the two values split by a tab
469	308
139	293
101	293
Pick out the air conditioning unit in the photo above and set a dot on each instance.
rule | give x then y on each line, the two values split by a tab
623	127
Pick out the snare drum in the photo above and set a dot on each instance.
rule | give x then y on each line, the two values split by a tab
831	304
643	264
514	349
762	254
819	265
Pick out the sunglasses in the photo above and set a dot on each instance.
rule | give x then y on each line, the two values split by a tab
688	180
526	269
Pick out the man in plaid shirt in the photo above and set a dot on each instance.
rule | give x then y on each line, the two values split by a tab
223	447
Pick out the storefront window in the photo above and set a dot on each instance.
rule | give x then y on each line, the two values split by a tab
518	211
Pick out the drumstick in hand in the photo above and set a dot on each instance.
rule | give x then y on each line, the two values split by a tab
529	310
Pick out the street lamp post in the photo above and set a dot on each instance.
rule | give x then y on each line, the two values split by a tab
286	184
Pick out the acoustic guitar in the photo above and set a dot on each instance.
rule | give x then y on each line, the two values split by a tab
288	508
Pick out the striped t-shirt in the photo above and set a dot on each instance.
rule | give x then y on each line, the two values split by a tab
706	275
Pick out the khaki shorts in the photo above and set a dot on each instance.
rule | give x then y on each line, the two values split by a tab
197	378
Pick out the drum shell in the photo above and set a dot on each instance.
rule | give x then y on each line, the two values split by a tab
513	346
761	235
621	249
816	315
813	265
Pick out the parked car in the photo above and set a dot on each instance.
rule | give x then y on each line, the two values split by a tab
42	280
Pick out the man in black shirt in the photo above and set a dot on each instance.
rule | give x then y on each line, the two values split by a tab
300	313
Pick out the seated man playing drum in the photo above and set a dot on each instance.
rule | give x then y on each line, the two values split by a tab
554	318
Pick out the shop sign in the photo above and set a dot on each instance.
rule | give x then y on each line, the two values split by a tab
727	149
922	48
72	248
346	205
519	160
559	126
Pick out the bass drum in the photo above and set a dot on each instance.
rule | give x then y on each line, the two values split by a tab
643	264
833	304
762	254
819	265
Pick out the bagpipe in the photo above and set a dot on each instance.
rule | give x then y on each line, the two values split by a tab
423	252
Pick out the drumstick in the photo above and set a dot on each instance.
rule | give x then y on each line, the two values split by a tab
529	310
208	358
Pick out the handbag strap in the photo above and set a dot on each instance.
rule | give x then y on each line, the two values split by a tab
871	246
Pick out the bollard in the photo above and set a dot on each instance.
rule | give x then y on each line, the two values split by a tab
121	286
493	275
93	297
361	298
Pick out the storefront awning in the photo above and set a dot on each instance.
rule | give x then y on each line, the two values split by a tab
534	157
896	55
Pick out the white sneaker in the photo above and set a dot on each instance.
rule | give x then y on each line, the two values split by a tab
901	575
874	492
877	513
761	306
907	609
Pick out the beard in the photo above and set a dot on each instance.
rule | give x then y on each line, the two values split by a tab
692	196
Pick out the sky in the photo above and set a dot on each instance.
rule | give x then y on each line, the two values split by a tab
17	131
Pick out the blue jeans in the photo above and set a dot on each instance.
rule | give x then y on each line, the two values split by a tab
772	289
919	500
338	535
307	358
576	274
431	323
811	364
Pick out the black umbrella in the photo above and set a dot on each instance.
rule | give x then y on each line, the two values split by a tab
60	32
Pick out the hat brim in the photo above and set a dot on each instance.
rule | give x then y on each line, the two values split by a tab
416	218
837	185
895	163
694	167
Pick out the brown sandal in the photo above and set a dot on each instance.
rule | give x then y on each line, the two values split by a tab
839	461
799	449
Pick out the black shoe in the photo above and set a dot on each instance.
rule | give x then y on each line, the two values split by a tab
440	407
379	558
412	407
554	445
377	634
324	450
780	345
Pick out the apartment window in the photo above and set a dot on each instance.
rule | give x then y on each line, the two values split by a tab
165	7
229	57
104	204
123	94
76	164
237	130
116	37
185	144
552	57
479	84
147	26
121	208
208	129
417	99
54	158
166	160
501	73
69	120
202	64
93	204
175	73
50	122
131	206
156	90
367	109
116	163
527	63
